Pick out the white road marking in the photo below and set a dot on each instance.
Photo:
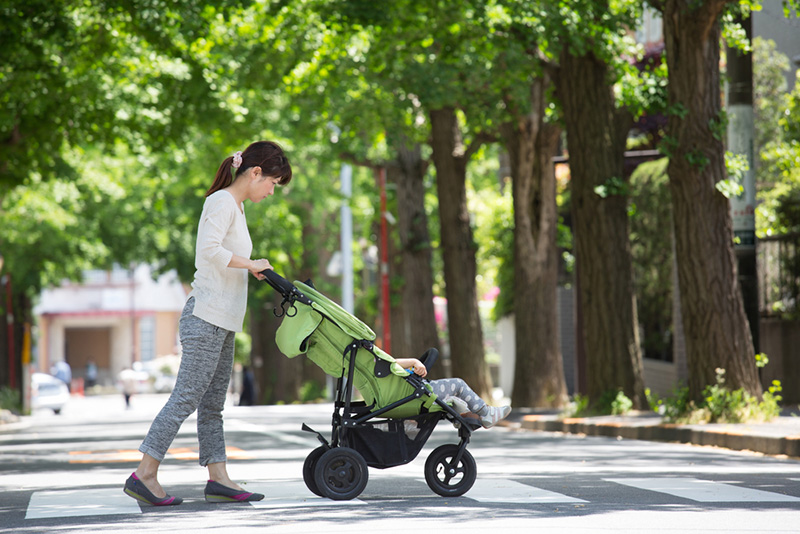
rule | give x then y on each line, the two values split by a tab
703	490
498	490
293	494
83	502
243	426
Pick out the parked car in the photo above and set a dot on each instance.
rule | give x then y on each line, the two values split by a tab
48	392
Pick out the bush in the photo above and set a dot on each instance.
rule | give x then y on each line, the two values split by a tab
612	402
719	404
9	400
312	391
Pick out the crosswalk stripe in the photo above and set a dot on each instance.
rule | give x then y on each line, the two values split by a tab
78	503
497	490
703	490
293	494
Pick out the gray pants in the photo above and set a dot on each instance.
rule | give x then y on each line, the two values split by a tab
202	384
456	387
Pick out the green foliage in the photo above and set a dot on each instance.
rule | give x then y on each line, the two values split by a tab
613	186
495	232
652	257
737	166
719	126
612	402
621	404
578	407
777	115
81	74
241	349
719	404
770	96
667	145
697	159
10	400
312	391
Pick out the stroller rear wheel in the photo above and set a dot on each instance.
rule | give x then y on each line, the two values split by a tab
446	477
308	469
341	474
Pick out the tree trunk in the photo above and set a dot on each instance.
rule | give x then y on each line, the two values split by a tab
538	369
416	331
714	321
278	377
596	135
458	250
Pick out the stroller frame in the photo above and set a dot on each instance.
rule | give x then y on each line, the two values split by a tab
362	436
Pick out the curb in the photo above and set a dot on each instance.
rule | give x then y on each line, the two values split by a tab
784	445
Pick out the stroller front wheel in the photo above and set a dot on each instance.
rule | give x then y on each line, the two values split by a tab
446	477
341	474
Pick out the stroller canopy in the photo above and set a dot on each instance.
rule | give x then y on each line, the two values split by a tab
324	330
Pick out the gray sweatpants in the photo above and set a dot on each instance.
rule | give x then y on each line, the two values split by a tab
456	387
202	383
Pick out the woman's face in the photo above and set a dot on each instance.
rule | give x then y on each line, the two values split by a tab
261	187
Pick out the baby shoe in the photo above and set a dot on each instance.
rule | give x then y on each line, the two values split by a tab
494	415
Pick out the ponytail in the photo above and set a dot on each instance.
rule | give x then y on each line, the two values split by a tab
224	176
265	154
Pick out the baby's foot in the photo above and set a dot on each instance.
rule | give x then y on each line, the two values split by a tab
458	404
494	415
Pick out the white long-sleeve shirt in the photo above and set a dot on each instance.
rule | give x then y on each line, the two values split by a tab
220	291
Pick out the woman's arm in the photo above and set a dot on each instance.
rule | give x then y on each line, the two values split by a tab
254	266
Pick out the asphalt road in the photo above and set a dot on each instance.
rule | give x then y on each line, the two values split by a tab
65	473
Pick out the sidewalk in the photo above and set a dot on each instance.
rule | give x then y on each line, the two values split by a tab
781	436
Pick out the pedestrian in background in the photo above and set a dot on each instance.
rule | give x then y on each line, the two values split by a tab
127	384
63	372
91	374
214	312
248	395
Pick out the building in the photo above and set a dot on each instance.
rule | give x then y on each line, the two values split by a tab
113	318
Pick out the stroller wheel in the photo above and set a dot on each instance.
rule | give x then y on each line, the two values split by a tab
308	469
447	478
341	474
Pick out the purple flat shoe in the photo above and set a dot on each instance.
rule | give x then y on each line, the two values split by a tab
136	489
216	492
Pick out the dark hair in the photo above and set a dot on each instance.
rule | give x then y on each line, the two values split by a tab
265	154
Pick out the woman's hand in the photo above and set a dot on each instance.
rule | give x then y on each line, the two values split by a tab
256	266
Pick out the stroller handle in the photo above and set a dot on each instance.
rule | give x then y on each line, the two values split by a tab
278	283
288	291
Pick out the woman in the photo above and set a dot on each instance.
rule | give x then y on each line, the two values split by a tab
214	312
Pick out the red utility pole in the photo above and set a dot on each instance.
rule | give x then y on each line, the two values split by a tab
12	370
387	329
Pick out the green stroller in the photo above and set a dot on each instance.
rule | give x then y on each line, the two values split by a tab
399	411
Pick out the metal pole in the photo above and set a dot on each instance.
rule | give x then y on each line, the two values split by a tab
346	243
387	329
740	141
346	247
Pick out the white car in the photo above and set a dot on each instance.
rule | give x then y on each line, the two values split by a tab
48	392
